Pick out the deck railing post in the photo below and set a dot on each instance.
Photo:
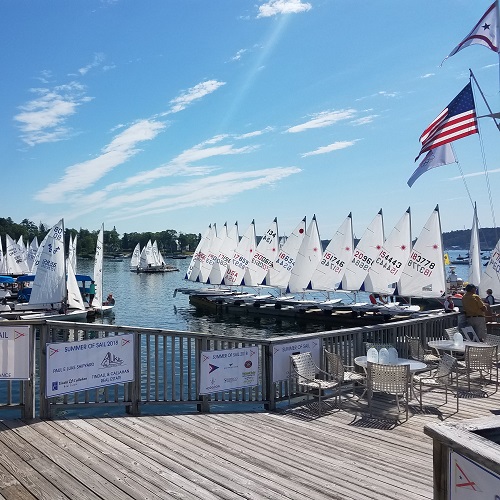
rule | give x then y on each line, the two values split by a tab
135	385
42	370
28	410
267	374
203	405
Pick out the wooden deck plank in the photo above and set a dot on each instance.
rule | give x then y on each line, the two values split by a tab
287	454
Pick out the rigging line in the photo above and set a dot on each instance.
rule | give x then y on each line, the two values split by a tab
462	176
483	155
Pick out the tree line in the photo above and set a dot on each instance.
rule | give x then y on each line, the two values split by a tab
169	241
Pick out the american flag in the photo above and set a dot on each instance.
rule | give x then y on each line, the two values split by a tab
456	121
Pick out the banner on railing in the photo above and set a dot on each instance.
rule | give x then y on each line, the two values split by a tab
282	353
88	364
228	369
14	352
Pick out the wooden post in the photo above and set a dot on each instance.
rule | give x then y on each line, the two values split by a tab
267	375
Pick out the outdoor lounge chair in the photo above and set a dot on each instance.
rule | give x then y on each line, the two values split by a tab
441	377
345	374
390	379
307	374
482	359
417	351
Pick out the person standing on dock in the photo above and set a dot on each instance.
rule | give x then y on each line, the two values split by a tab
475	310
91	292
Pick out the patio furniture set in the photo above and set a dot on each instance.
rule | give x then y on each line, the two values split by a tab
453	365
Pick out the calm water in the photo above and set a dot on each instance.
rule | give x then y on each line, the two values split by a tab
147	300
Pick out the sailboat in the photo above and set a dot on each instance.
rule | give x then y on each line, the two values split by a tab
97	303
149	260
54	284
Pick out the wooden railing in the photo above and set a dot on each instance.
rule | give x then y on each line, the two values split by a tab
168	363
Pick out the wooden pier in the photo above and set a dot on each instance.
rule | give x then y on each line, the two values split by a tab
290	453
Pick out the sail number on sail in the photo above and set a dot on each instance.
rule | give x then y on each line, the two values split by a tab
421	264
387	262
285	261
362	260
332	261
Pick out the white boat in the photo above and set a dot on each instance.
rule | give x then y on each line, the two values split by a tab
424	273
224	256
98	304
54	284
331	268
475	252
150	260
308	258
200	254
241	257
388	266
280	272
261	260
206	265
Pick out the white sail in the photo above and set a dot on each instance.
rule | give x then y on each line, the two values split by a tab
424	273
32	251
14	256
49	285
474	252
72	251
157	260
98	265
263	257
331	268
308	258
364	255
389	263
279	274
197	251
193	273
75	300
212	254
136	255
241	257
146	259
2	259
23	251
224	256
34	267
491	274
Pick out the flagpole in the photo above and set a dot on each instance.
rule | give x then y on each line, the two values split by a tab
484	98
497	7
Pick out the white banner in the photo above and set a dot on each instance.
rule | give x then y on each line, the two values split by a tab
14	352
282	353
469	480
87	364
228	369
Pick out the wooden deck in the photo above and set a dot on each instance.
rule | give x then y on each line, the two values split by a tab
290	453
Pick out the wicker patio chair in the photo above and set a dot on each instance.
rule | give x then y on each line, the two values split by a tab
441	377
492	339
469	333
306	373
417	351
450	332
482	359
345	374
389	379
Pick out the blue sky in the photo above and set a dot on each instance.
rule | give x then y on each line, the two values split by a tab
173	115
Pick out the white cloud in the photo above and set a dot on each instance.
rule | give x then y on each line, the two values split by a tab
83	175
323	119
427	75
98	59
364	120
42	119
255	133
331	147
275	7
206	191
193	94
238	55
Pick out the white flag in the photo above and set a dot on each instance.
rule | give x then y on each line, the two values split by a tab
485	32
442	155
